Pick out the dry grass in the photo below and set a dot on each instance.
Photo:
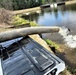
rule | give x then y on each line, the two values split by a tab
65	72
5	16
68	55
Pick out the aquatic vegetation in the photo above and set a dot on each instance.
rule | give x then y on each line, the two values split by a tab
32	23
18	21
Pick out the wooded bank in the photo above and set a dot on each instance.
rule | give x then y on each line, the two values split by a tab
35	9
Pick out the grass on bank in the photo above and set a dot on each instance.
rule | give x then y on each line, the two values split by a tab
52	44
18	21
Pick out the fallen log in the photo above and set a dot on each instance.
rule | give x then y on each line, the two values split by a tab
16	33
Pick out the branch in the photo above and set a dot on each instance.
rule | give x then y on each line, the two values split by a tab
16	33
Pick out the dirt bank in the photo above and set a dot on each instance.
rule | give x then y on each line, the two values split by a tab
65	53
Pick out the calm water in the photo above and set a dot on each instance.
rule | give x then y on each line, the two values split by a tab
60	16
63	16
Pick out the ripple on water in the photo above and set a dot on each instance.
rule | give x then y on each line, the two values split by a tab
69	39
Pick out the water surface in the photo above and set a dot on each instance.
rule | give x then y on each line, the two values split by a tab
63	16
60	16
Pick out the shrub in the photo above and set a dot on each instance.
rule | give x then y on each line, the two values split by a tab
5	16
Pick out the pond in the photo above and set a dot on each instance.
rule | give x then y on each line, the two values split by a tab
63	16
60	16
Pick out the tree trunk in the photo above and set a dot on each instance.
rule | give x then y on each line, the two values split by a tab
16	33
